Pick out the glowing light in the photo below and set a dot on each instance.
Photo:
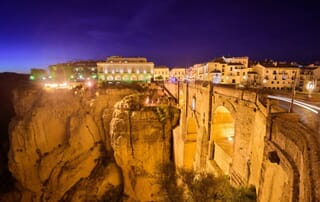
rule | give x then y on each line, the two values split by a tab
230	138
64	85
310	85
89	84
31	77
147	100
193	104
304	105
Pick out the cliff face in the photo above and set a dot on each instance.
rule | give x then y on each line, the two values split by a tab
141	139
58	146
8	82
85	148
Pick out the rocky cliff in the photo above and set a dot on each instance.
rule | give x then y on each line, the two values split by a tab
141	137
8	82
67	147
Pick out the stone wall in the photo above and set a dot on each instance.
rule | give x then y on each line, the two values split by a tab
297	150
262	135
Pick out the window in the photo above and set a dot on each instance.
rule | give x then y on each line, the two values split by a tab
238	73
233	81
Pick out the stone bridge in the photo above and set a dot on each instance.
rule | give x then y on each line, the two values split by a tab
241	134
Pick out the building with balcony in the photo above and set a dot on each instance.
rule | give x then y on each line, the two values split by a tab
277	75
118	68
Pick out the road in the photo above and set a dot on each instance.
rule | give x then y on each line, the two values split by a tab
309	113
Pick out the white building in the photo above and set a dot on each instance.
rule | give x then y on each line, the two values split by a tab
118	68
223	70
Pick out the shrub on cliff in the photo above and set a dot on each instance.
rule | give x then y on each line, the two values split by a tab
201	187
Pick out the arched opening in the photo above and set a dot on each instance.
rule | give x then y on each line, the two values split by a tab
125	77
134	78
117	77
222	138
190	142
109	78
141	77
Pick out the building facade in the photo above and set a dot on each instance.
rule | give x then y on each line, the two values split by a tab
222	71
161	73
118	68
178	73
277	75
74	71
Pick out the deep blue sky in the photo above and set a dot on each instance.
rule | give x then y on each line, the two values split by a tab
167	32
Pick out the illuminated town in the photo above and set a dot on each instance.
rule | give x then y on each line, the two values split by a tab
159	101
238	71
226	119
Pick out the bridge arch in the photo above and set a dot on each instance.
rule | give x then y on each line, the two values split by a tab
190	143
221	141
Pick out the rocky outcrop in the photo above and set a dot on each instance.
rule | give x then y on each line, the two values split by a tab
59	146
141	137
84	147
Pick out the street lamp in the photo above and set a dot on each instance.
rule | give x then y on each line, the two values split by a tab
293	91
310	86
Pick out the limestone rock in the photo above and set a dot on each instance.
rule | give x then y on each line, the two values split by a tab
57	148
141	139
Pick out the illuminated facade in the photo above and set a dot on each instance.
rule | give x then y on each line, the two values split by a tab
161	73
309	77
178	73
118	68
223	71
74	71
242	60
277	75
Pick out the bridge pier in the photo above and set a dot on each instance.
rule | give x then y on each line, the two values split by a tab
271	151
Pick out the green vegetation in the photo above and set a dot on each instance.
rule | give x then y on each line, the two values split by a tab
201	187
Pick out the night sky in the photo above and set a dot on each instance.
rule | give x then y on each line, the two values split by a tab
173	33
